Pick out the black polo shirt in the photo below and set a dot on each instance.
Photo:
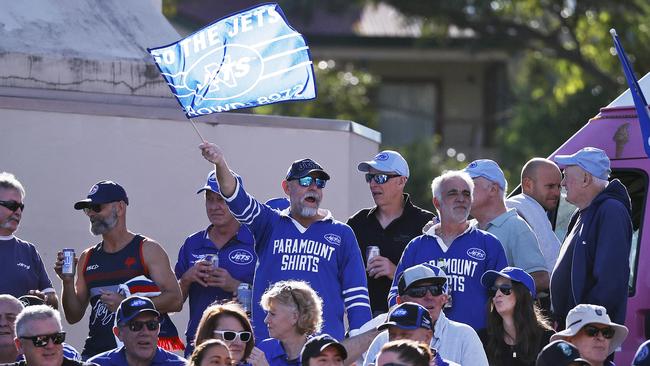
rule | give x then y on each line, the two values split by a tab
391	242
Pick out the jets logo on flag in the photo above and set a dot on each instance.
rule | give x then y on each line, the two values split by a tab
245	60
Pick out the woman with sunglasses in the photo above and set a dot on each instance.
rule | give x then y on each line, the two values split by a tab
516	330
212	352
229	323
294	313
590	329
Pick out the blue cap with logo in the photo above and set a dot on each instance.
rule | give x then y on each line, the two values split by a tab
133	306
317	344
103	192
487	169
513	274
560	353
211	184
387	161
303	167
642	356
591	159
408	315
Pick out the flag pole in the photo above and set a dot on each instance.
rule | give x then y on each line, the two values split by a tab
197	130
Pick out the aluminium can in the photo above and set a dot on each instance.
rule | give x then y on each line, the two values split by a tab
68	267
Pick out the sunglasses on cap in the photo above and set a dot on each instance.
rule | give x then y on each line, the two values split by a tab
12	205
379	178
505	289
43	340
421	291
136	326
229	335
307	181
592	331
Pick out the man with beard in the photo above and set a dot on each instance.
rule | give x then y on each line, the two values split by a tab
119	257
463	251
23	272
303	242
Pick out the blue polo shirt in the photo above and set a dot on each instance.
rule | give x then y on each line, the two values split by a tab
237	257
23	269
275	354
117	357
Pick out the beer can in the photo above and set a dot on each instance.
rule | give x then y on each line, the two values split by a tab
245	296
371	252
214	259
68	262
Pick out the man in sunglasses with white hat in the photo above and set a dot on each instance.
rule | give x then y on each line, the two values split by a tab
23	270
137	325
303	242
389	226
589	328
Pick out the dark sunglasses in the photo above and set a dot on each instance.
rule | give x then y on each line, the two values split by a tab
136	326
591	331
421	291
43	340
307	181
229	335
95	207
13	205
505	289
379	178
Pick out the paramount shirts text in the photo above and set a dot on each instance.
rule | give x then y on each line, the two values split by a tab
301	254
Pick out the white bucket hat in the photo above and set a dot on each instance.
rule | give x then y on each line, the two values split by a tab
584	314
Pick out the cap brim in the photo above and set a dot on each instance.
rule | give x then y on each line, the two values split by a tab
82	204
126	320
565	160
338	346
390	324
488	278
206	188
320	171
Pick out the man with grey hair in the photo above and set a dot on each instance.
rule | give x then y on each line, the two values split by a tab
598	238
23	272
40	337
462	251
489	210
10	307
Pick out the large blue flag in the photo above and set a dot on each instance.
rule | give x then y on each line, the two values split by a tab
244	60
637	94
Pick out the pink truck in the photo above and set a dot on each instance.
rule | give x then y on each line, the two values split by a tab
616	130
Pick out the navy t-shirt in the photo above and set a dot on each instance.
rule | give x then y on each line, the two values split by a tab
23	269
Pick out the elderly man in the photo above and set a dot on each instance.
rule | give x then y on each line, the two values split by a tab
540	186
137	325
323	350
390	225
23	272
225	239
302	242
118	258
426	285
598	238
489	210
40	337
10	307
464	252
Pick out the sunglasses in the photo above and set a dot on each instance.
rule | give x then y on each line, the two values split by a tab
229	335
591	331
95	207
505	289
307	181
421	291
13	205
136	326
379	178
43	340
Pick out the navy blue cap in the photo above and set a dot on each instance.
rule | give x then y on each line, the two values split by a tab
559	353
408	315
513	274
304	167
31	300
211	184
591	159
642	356
317	344
133	306
103	192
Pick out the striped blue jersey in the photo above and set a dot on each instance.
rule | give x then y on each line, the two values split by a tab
464	261
326	255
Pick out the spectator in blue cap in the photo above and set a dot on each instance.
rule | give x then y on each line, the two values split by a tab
516	330
203	280
490	211
598	238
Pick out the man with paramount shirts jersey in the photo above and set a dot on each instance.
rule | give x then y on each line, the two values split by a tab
462	251
231	242
302	242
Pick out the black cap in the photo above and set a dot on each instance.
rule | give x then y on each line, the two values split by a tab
134	306
316	345
103	192
31	300
304	167
408	315
559	353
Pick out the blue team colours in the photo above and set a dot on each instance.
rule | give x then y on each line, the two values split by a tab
244	60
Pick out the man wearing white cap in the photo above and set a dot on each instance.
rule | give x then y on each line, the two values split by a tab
598	238
489	210
390	225
593	333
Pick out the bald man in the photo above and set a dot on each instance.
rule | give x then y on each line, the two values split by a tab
540	185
